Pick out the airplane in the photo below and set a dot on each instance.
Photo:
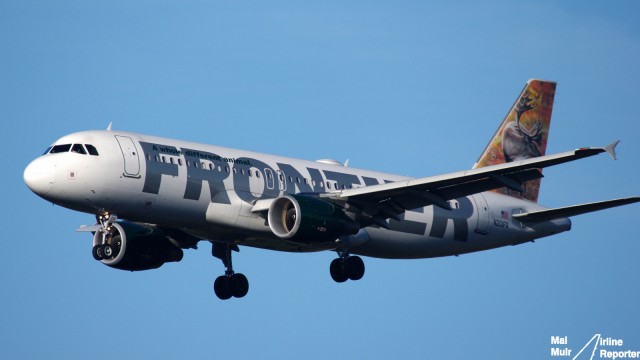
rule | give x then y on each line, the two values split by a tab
154	197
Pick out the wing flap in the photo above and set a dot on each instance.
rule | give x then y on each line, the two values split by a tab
568	211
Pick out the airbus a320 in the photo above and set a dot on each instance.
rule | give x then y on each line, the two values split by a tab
155	197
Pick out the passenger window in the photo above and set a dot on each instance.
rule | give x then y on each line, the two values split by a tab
93	151
290	179
210	166
258	174
180	162
171	160
156	158
226	169
328	185
164	160
60	148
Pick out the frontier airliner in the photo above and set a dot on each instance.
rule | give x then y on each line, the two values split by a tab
153	197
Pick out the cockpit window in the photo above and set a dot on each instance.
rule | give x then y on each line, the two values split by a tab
91	149
47	151
60	149
78	148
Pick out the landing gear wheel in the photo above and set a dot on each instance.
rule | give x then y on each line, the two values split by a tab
239	285
230	284
107	251
354	267
336	270
221	288
97	252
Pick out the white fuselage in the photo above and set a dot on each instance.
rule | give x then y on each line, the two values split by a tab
209	192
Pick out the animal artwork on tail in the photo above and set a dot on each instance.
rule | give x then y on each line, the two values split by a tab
523	134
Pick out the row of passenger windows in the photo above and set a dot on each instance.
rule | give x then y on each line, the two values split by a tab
197	164
75	148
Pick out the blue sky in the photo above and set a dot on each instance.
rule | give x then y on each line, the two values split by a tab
407	87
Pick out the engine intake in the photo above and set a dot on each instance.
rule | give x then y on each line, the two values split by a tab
307	220
137	247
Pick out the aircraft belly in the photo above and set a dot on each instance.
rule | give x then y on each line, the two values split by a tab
388	244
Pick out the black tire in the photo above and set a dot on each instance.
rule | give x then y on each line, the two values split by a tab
97	252
221	288
336	271
239	285
107	251
354	268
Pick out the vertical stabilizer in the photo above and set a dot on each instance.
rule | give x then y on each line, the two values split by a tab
523	133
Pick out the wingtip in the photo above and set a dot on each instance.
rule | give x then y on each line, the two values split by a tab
611	149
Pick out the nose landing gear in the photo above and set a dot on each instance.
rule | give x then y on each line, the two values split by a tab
230	284
109	246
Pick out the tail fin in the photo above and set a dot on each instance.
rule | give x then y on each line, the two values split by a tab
523	133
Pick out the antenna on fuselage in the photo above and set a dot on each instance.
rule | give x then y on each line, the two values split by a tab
109	127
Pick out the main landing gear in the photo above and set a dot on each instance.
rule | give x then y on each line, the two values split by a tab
109	247
346	267
230	284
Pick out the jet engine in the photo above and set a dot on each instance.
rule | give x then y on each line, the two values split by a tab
309	220
135	247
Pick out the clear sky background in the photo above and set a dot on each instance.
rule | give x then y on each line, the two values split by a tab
409	87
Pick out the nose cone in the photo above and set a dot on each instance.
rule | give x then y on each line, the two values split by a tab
40	176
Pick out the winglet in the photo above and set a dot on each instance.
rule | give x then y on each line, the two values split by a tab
109	127
611	149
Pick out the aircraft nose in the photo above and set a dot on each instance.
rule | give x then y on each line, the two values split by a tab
40	176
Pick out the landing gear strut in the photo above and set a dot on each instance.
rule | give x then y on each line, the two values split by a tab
346	267
108	247
230	284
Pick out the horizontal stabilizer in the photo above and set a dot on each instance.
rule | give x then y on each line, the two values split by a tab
563	212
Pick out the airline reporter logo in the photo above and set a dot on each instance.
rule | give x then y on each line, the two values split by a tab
598	347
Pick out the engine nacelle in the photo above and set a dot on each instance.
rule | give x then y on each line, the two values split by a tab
308	220
137	247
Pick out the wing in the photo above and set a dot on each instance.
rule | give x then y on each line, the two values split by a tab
376	203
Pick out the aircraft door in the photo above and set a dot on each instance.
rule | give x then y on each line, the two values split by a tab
269	178
482	210
282	183
130	155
